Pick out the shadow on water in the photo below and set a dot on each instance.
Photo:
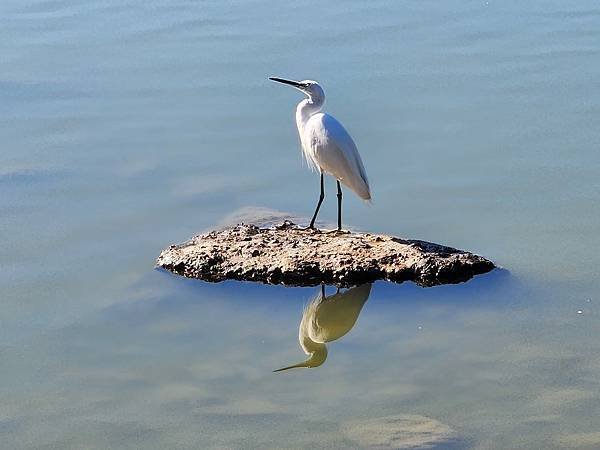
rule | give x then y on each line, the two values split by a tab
498	287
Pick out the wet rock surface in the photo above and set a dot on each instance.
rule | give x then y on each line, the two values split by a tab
290	255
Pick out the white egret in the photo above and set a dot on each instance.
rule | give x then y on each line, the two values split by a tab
326	319
327	146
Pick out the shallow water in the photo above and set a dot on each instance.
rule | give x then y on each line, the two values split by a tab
129	126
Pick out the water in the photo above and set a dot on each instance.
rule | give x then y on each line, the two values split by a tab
131	125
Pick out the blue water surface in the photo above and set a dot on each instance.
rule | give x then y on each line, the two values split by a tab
130	125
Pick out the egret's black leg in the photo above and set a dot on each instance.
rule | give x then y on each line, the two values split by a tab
339	196
323	290
321	197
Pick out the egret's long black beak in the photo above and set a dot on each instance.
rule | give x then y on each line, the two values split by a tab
296	84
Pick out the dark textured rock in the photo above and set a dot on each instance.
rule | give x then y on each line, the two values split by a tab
287	254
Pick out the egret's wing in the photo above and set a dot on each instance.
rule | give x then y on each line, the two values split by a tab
334	151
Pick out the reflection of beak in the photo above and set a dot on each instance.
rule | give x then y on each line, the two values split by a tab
296	84
295	366
314	360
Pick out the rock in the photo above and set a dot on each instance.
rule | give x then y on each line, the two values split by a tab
404	431
290	255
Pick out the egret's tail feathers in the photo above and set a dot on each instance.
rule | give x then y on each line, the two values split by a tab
369	197
360	188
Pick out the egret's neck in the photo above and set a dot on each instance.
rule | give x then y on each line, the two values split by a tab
315	359
305	109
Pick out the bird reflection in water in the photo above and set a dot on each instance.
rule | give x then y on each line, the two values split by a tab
327	318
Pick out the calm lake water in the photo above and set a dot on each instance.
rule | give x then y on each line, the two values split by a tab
127	126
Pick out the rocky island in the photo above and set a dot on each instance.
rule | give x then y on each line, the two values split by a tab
291	255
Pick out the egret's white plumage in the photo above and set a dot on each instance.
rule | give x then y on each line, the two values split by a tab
327	318
326	144
330	148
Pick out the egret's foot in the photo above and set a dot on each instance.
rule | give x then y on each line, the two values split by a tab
309	228
337	232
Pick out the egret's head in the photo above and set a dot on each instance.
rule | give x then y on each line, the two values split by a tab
310	88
